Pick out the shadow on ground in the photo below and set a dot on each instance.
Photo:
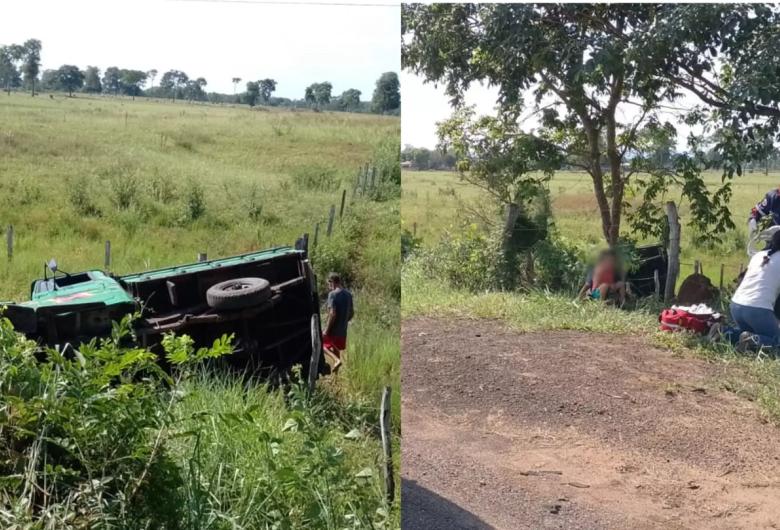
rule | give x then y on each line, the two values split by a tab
424	510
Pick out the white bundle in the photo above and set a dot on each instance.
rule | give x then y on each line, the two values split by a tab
700	309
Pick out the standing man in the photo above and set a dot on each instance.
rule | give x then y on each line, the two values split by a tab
340	313
769	206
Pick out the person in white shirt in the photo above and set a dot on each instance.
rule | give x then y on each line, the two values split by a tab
752	306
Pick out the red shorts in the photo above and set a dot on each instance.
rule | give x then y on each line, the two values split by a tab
337	344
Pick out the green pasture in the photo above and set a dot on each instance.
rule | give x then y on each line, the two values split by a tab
165	181
428	201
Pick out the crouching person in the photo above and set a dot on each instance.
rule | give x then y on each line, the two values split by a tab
604	281
752	306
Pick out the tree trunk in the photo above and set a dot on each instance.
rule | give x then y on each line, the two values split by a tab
509	225
617	181
33	87
598	182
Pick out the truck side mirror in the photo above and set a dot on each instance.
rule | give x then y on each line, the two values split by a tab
52	265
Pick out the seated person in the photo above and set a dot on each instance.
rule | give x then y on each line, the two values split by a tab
752	306
604	281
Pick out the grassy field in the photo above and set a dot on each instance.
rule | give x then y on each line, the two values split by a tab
428	201
164	182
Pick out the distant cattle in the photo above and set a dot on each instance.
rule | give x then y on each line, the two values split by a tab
406	165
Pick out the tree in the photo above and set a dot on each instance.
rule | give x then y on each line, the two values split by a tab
69	78
92	83
318	93
267	87
50	81
132	80
173	80
151	74
387	94
236	81
252	93
32	61
586	65
112	80
9	74
195	89
350	99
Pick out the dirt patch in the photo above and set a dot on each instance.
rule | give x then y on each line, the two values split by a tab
626	434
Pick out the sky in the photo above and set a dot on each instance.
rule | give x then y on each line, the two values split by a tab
425	104
297	45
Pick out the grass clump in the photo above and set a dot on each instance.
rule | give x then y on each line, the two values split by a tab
88	443
316	177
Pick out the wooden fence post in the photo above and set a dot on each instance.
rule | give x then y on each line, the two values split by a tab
316	234
674	251
414	228
343	199
306	245
722	266
373	177
330	219
387	445
10	242
511	218
696	267
108	254
202	257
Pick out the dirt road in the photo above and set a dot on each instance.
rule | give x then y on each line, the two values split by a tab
570	430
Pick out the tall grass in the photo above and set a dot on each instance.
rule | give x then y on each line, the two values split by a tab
164	182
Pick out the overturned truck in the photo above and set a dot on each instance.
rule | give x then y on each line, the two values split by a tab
268	300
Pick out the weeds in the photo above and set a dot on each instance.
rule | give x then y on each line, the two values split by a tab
80	199
194	201
125	187
316	177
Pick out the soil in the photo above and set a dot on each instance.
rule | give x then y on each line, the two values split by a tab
572	430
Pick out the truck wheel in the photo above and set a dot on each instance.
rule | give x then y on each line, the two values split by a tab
238	294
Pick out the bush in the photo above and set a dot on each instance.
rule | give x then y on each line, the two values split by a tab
409	243
559	265
470	260
334	254
317	177
194	201
79	197
125	188
88	434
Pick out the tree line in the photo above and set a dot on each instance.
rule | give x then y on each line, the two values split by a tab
20	69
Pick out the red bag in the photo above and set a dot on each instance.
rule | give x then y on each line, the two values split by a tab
679	320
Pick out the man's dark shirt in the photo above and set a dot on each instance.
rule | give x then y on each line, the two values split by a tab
340	300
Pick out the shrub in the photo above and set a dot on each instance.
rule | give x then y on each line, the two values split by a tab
163	189
559	265
468	259
334	254
194	200
88	433
252	205
125	187
409	243
318	177
78	195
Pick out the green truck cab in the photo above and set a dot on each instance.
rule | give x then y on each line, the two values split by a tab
267	299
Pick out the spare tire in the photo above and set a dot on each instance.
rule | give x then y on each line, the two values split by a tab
238	294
